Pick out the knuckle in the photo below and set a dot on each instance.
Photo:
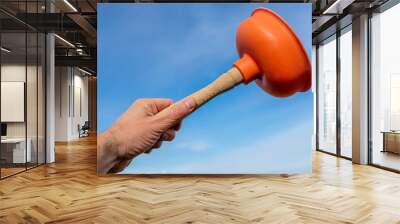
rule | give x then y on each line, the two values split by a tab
140	102
169	135
169	101
157	145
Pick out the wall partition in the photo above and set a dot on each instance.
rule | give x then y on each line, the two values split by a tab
385	89
22	106
14	153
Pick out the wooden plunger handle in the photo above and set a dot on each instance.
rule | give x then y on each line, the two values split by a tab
223	83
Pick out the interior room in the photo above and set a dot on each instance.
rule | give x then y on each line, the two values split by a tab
28	56
48	105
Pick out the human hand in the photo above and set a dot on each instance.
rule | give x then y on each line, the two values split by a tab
139	130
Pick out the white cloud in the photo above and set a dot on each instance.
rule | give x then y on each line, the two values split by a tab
284	152
194	145
287	151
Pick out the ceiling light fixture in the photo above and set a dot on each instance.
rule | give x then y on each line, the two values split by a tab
84	71
70	5
337	7
64	40
5	50
79	51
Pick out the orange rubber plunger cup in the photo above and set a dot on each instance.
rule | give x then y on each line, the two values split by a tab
272	54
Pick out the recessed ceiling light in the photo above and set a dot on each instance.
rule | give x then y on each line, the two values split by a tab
5	50
65	41
70	5
338	6
84	71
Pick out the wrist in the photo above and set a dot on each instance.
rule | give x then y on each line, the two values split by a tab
108	155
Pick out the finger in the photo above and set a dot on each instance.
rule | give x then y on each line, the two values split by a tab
175	113
177	126
120	166
155	146
158	144
169	135
161	103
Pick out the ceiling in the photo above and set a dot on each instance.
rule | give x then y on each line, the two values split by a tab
332	15
75	23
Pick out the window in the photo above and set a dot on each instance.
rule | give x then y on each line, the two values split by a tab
385	89
327	95
346	92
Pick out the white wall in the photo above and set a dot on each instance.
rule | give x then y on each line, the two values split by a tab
70	83
81	85
12	73
13	101
16	72
61	103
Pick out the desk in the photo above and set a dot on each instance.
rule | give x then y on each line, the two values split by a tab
13	150
391	141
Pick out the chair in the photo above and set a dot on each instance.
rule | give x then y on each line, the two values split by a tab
84	130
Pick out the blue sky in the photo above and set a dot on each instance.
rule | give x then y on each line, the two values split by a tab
172	50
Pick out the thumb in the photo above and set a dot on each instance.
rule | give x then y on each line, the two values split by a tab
173	114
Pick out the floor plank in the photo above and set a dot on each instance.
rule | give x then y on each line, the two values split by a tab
69	191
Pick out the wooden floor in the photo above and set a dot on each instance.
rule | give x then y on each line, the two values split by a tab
5	172
387	159
69	191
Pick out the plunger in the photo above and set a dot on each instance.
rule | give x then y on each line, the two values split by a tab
271	53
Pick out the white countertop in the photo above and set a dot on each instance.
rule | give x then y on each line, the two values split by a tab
13	140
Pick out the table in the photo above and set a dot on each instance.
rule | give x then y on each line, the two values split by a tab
13	150
391	141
